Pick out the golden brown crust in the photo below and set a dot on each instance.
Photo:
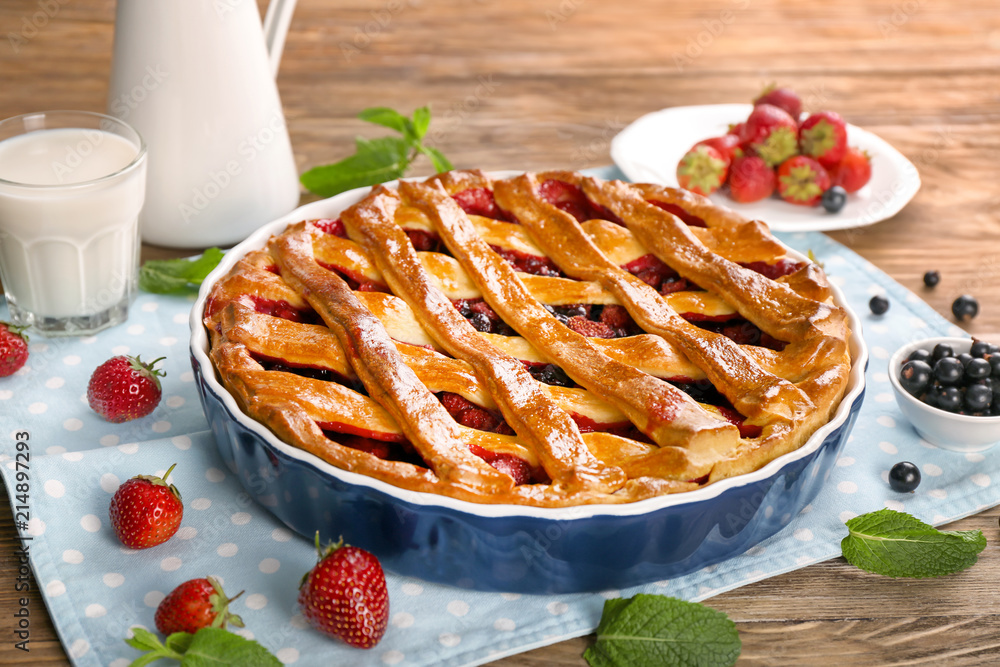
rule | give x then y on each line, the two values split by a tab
378	364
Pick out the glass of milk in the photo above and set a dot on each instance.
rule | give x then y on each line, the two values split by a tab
72	184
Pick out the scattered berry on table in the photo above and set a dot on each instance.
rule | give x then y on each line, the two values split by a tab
702	170
853	171
932	278
196	604
124	388
13	348
802	180
750	179
771	133
964	308
146	510
345	596
833	199
904	477
878	304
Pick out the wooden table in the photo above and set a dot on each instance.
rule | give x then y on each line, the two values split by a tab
547	83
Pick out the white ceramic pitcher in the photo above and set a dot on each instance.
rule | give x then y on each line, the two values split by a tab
196	79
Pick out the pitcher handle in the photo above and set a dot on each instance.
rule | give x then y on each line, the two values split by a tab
276	22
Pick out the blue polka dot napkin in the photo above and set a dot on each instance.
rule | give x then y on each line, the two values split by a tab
95	589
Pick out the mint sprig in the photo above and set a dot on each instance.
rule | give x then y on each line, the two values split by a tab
659	630
896	544
209	647
168	276
378	160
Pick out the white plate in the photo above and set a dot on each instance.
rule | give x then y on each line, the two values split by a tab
649	149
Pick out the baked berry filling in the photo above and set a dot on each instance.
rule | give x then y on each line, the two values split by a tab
774	271
335	227
482	317
743	332
525	263
687	218
283	309
704	392
570	198
480	201
425	241
469	414
655	273
306	370
355	280
549	374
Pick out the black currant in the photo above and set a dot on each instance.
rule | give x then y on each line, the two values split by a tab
977	369
904	477
932	278
978	398
994	360
979	348
920	354
915	377
949	371
950	399
834	199
481	322
942	350
878	304
965	308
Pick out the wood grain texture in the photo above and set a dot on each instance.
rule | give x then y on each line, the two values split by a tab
529	84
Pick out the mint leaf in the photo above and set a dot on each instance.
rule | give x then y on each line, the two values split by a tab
663	631
375	161
166	276
896	544
378	160
214	647
209	647
386	117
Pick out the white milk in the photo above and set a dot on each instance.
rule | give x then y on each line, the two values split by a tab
69	250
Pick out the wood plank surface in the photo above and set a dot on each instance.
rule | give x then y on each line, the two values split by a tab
522	84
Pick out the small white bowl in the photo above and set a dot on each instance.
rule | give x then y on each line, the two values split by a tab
947	430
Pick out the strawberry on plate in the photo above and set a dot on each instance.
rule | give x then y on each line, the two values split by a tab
802	180
750	179
728	146
702	170
196	604
345	596
770	133
783	98
13	348
853	171
146	511
823	136
124	388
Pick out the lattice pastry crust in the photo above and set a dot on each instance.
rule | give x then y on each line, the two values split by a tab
547	339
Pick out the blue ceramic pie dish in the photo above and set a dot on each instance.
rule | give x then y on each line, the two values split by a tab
506	547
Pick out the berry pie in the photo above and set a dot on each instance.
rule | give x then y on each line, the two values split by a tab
547	339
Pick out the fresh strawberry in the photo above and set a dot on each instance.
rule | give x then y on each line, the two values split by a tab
853	171
750	179
735	128
703	170
124	388
802	180
783	98
823	136
728	146
590	328
196	604
146	511
770	133
13	348
345	595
